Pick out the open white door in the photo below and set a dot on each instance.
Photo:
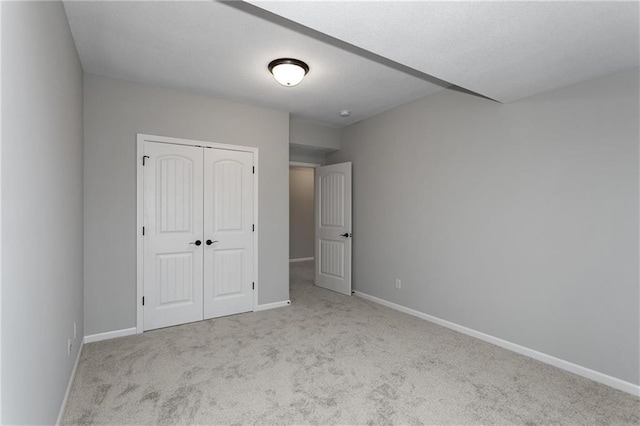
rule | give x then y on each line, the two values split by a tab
333	227
173	235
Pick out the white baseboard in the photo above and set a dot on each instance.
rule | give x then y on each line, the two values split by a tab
73	376
274	305
531	353
300	259
110	335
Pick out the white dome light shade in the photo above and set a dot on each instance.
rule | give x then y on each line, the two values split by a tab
288	72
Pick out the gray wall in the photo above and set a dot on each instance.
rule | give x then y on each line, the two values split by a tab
306	156
307	133
301	214
115	111
310	142
42	210
517	220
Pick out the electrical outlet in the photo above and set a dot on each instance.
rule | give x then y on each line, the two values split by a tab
75	330
69	347
398	283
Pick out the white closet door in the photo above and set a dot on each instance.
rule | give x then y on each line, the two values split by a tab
228	232
173	226
333	227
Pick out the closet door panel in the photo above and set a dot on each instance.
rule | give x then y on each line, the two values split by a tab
228	232
173	209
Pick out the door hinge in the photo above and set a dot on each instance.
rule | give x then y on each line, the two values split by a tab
144	159
253	286
143	230
142	300
253	228
254	170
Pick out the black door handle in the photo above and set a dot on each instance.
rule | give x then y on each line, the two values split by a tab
209	242
197	242
346	235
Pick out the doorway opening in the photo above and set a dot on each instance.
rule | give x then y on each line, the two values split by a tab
302	212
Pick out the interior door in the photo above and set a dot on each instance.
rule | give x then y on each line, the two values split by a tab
228	232
333	227
173	176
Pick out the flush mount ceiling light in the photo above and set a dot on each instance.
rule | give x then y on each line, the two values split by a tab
288	72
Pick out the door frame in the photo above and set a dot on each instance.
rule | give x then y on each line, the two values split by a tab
302	164
141	139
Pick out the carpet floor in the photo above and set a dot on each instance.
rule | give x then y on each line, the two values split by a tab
328	359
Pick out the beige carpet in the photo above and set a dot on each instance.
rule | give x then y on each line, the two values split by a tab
328	359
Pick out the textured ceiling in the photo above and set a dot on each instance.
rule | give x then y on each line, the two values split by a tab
365	56
223	50
505	50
